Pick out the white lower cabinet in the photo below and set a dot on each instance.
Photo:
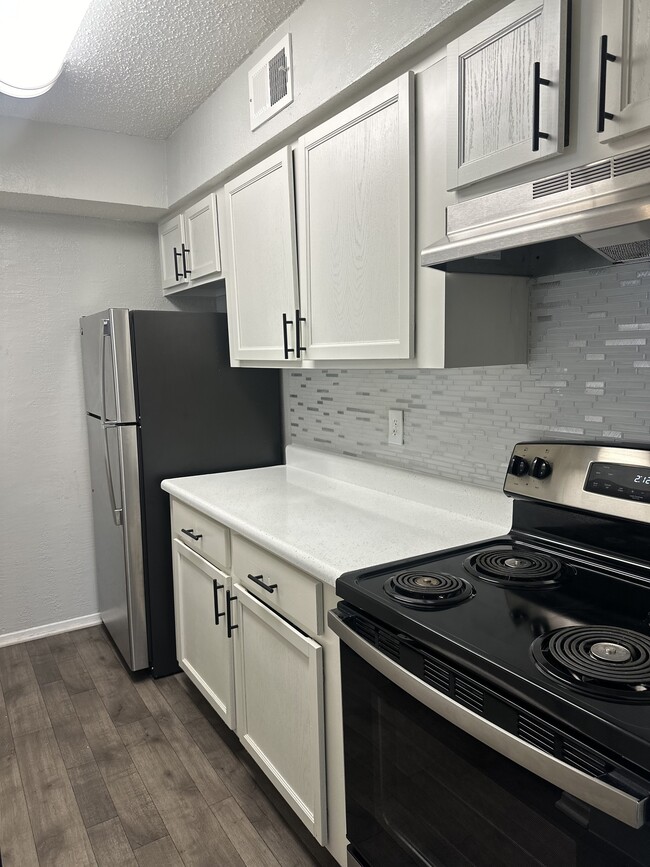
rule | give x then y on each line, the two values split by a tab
250	634
280	713
202	642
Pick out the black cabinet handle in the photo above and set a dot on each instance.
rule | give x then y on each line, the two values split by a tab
184	251
230	626
217	614
538	81
258	579
285	337
177	256
299	348
605	57
192	534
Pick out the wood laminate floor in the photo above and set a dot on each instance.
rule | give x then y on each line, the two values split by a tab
99	767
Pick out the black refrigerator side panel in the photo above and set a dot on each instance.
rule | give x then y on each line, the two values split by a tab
197	415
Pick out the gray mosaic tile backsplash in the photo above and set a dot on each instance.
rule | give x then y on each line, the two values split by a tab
588	378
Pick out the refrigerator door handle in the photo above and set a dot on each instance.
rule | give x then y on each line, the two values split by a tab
103	335
117	513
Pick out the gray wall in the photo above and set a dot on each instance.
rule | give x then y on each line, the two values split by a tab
588	377
53	270
336	45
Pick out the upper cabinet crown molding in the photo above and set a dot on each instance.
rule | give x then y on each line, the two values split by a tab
355	229
624	69
262	285
507	82
190	251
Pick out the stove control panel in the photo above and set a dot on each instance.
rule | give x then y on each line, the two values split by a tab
624	481
609	480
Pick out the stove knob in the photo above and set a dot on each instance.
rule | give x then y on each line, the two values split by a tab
518	466
540	468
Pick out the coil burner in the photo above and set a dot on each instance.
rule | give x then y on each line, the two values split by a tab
516	567
602	661
428	590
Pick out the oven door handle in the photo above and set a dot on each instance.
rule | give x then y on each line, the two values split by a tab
616	803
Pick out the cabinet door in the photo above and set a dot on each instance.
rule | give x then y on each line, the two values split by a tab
202	238
263	280
626	24
171	237
356	230
205	652
280	717
494	102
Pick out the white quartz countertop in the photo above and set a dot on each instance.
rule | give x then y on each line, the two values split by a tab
328	515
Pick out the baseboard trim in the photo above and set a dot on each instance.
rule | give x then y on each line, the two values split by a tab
49	629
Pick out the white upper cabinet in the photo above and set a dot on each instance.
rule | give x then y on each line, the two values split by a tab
355	229
189	246
348	232
624	69
202	238
171	236
262	288
506	91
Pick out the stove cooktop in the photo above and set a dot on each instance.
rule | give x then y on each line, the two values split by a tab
563	631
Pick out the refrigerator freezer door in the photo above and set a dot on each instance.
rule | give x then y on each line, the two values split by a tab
108	366
118	538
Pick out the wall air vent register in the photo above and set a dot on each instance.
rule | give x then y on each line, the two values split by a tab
270	83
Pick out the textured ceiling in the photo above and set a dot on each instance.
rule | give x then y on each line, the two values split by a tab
142	66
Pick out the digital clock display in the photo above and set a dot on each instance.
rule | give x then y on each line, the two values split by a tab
619	480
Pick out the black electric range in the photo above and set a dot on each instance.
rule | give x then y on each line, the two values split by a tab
533	649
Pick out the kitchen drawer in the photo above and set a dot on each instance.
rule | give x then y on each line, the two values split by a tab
214	541
298	596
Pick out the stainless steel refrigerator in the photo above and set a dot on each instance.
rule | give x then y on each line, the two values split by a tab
161	401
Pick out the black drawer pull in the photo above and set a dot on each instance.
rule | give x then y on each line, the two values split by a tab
299	347
258	579
217	614
184	251
177	256
605	57
192	534
230	626
285	336
538	81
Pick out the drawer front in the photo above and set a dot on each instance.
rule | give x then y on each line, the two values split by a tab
297	596
213	540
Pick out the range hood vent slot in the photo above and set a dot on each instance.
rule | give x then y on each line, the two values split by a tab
591	174
635	162
548	186
626	252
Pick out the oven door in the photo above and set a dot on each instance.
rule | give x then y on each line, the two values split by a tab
422	791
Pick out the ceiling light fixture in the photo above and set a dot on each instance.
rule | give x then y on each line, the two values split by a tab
35	36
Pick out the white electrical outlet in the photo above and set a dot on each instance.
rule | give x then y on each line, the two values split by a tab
396	427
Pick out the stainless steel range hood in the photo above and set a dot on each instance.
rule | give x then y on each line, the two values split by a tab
586	217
